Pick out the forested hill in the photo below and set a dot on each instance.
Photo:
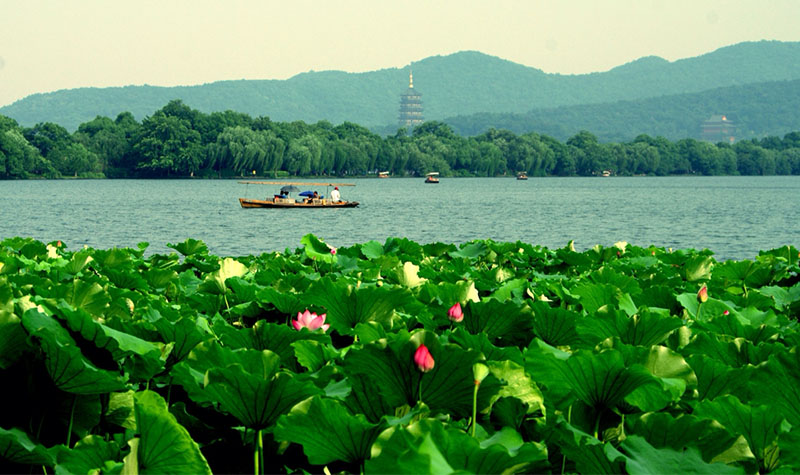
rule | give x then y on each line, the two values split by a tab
458	84
758	110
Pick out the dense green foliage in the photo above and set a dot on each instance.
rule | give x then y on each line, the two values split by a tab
455	85
758	110
617	359
178	141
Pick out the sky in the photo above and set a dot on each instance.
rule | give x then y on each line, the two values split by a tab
47	45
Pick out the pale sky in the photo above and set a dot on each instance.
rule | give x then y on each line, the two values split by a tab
47	45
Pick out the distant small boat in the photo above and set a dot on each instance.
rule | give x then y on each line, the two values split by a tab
522	176
383	174
433	177
284	201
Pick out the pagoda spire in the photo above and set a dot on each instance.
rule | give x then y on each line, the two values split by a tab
411	79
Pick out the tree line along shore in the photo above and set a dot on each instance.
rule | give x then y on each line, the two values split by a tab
178	141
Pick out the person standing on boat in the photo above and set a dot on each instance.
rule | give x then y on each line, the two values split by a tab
335	194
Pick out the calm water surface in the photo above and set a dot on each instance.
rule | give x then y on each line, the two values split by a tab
733	216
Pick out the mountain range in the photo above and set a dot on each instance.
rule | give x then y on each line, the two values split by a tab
464	87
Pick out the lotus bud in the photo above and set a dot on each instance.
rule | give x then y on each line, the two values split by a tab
479	372
333	251
702	294
455	314
726	313
423	359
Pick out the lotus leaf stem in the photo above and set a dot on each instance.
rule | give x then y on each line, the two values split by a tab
475	407
71	417
261	447
255	454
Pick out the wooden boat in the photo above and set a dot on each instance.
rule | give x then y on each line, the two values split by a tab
433	177
522	176
285	201
291	203
383	174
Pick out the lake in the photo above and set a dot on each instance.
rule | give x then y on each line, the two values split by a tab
735	217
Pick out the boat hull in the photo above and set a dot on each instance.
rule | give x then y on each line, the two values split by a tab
251	203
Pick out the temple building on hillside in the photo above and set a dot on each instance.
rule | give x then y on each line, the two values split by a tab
718	129
410	105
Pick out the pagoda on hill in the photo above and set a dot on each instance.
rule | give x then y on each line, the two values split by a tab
718	128
410	105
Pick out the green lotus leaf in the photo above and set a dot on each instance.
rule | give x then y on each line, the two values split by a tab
663	430
227	268
671	370
184	334
732	325
505	320
715	378
163	445
90	454
760	425
364	399
84	295
243	290
316	249
643	458
587	453
17	447
777	385
447	294
472	250
120	410
327	431
737	352
555	325
372	249
190	247
509	412
646	328
601	380
112	258
744	272
517	384
126	279
783	297
389	366
407	276
284	302
428	446
266	336
245	383
78	261
480	342
313	355
509	289
255	401
159	279
120	344
346	305
698	268
13	344
65	363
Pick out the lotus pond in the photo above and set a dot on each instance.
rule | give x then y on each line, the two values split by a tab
397	357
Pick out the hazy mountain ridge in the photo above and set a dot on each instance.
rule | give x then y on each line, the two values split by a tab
458	84
758	110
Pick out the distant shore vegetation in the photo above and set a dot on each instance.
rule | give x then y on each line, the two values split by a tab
178	141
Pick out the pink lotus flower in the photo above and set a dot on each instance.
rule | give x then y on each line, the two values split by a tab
726	312
423	359
455	314
309	320
333	251
702	294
